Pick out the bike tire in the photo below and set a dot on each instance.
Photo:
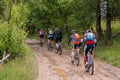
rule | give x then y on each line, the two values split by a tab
76	59
91	67
51	46
41	43
60	51
86	68
48	46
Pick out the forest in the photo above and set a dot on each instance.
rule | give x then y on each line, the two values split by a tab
20	19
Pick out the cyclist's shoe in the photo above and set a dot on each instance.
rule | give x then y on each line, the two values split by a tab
72	61
86	63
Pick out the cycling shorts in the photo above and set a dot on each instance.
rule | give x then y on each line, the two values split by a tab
51	38
42	36
58	40
87	47
75	46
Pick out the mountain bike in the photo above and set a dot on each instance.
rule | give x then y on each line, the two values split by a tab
41	42
59	49
90	66
50	46
76	58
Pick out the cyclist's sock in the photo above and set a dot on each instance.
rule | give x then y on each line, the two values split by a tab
92	53
85	58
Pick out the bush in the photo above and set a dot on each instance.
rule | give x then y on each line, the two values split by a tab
11	39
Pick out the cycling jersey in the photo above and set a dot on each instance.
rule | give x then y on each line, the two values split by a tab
41	32
89	38
73	39
50	34
58	34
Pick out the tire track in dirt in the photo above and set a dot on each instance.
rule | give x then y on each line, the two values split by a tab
52	66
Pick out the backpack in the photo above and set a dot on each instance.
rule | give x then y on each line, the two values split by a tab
58	34
50	32
77	37
90	36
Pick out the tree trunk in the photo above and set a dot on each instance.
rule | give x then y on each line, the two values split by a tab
11	1
65	25
108	24
98	20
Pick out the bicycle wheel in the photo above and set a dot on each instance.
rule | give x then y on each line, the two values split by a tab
91	67
76	59
59	50
86	68
41	43
50	46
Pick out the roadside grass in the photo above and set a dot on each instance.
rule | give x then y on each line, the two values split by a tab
21	68
111	52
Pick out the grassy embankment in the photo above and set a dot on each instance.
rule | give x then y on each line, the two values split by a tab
111	52
23	68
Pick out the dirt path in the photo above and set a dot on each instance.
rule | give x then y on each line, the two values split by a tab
52	66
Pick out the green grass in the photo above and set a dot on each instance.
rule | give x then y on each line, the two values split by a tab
111	52
23	68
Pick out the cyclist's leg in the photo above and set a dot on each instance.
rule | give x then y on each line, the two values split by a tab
43	39
42	36
59	42
72	53
56	42
92	53
87	49
84	53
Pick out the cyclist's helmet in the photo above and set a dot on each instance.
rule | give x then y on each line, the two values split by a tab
89	30
41	29
73	31
56	29
49	29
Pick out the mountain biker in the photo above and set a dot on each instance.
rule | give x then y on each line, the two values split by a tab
75	43
41	34
50	35
90	42
57	37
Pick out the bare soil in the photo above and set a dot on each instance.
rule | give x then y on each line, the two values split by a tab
52	66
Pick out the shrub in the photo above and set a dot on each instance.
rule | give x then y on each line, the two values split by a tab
11	39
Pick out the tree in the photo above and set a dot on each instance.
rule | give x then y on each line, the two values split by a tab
112	12
108	22
98	19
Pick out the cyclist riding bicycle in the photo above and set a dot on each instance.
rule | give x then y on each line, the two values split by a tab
90	42
41	34
75	43
57	37
50	35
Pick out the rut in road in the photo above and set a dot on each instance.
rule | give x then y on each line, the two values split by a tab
52	66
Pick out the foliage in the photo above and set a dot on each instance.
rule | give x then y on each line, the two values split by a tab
21	68
11	39
56	13
19	15
110	52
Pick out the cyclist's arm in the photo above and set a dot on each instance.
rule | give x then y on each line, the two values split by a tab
95	40
69	40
